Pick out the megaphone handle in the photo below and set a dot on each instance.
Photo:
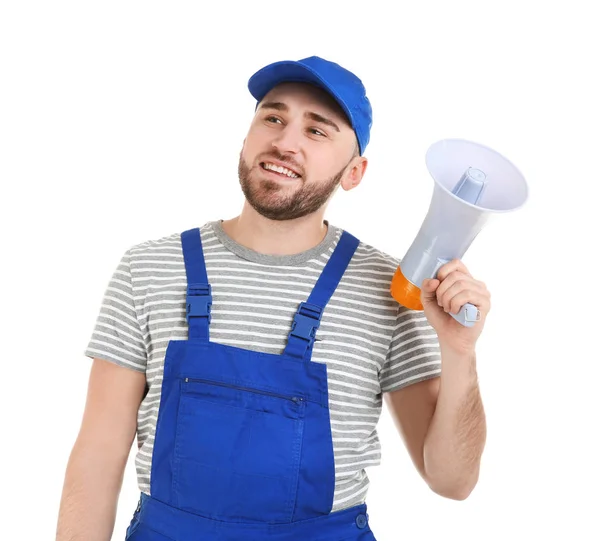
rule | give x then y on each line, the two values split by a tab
468	315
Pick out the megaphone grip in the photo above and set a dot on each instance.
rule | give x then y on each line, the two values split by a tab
468	315
409	295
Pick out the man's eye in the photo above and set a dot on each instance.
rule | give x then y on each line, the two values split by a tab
272	119
314	131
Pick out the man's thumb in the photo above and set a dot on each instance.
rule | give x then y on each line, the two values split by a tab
428	290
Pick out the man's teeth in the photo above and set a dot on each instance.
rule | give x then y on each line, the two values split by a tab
281	170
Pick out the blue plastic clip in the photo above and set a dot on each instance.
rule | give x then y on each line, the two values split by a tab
198	301
307	321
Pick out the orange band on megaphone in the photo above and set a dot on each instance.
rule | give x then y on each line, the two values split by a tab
405	292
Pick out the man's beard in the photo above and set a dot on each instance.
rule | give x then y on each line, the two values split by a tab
265	198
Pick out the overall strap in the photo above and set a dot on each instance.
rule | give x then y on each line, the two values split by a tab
308	318
199	292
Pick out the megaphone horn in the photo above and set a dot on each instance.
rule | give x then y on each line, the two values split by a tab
471	182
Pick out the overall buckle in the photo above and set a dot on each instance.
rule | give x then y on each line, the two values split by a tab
198	301
307	321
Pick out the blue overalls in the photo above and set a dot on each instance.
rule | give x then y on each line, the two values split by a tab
243	447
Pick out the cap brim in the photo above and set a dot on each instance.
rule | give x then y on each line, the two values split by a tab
288	71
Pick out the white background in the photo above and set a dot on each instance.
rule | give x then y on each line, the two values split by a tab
122	122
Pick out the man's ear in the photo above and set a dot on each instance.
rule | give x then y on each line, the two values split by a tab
357	169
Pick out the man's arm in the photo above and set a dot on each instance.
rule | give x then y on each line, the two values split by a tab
442	422
97	462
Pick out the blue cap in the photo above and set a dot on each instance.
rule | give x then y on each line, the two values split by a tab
345	87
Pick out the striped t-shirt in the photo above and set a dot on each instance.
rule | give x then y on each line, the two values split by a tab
369	342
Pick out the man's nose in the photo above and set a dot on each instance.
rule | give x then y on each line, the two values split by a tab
288	140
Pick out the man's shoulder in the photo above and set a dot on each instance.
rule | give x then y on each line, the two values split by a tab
165	245
369	254
368	279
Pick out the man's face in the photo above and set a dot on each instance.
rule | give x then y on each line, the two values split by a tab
298	150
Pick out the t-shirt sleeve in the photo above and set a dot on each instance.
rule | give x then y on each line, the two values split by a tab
414	353
117	336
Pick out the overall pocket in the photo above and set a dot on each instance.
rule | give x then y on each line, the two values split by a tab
237	452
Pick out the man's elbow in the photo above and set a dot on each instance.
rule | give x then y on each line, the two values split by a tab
452	493
458	490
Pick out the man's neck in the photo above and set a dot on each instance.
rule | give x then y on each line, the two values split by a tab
275	237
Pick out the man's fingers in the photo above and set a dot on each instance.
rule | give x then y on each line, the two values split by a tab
428	290
451	281
450	267
461	292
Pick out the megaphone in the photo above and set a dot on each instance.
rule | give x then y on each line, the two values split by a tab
471	183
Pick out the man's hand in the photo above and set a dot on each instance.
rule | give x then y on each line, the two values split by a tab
453	288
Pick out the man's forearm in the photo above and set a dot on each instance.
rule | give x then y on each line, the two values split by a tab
90	495
457	432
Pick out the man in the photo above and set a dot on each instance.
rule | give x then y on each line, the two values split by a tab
251	355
